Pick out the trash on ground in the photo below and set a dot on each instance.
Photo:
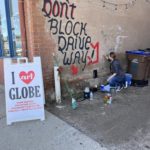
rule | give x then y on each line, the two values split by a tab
107	99
74	104
91	95
87	93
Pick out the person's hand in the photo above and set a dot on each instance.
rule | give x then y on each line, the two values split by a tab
105	57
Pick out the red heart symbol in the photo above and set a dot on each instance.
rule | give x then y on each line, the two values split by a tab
27	77
74	70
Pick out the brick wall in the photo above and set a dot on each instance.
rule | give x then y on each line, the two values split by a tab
22	27
39	43
1	72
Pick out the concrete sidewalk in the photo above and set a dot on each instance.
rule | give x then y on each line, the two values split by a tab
123	125
51	134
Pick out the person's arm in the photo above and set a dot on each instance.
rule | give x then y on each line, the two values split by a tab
114	74
116	67
106	57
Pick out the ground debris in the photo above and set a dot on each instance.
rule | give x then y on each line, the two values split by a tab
147	146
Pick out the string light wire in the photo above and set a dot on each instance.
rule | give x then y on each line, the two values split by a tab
116	5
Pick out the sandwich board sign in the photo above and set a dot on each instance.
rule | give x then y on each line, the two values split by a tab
24	92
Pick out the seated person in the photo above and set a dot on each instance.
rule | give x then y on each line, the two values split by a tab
117	79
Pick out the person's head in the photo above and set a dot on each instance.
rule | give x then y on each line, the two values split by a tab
112	56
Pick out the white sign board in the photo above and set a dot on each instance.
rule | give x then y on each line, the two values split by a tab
24	92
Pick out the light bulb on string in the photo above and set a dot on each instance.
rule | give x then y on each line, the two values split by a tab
103	3
133	2
116	6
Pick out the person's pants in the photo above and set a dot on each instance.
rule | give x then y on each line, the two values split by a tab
117	81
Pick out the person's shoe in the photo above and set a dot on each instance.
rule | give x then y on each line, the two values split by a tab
119	88
126	85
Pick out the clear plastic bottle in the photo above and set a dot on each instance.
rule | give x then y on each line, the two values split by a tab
110	100
74	104
91	95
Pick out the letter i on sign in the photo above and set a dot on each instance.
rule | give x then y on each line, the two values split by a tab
13	78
